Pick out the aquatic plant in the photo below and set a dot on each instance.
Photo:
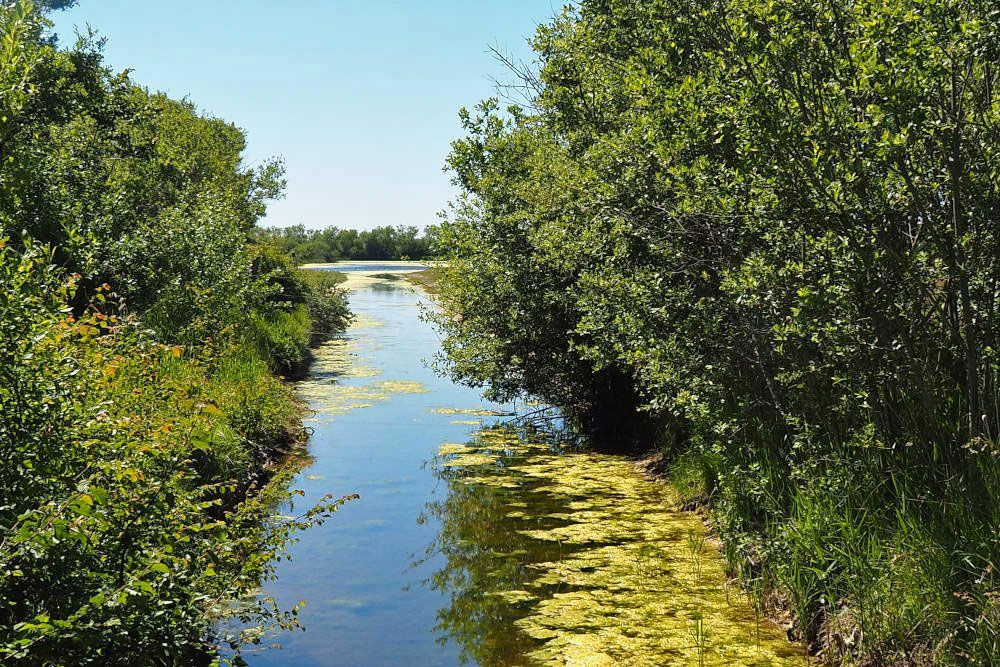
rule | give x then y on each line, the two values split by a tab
574	557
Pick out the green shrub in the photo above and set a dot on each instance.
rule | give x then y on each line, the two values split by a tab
139	326
327	304
768	229
118	547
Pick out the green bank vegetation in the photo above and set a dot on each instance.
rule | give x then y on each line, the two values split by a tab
141	331
427	279
762	236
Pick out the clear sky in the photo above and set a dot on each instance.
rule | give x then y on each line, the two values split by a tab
359	97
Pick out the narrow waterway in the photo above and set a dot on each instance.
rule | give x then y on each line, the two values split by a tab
476	542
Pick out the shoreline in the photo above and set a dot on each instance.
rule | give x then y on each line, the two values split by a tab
370	262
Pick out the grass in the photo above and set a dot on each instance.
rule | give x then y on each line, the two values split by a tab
283	337
427	279
887	561
256	404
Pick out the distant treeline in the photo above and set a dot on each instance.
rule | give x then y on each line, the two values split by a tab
334	244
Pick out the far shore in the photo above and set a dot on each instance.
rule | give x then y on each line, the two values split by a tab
372	262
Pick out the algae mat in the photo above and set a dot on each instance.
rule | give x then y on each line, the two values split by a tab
339	382
569	558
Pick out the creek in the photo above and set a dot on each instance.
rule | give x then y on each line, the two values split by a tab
479	542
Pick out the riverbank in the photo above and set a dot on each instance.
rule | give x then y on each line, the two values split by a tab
143	473
684	489
426	279
748	240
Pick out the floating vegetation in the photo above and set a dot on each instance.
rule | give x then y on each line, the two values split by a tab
334	396
333	389
476	412
468	460
467	422
574	558
364	321
450	448
337	359
513	597
401	387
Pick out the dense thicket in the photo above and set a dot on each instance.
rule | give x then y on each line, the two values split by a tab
770	227
334	244
140	329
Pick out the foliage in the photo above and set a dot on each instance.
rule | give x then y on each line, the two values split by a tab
306	309
334	244
327	309
139	328
767	226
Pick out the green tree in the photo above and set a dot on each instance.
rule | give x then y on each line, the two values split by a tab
139	328
765	225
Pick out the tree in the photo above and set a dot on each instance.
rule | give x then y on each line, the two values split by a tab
139	328
766	225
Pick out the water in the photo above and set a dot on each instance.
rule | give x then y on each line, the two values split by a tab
374	267
472	541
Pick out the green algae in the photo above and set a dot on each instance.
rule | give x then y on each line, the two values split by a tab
339	358
331	399
402	387
363	321
577	559
339	383
475	412
468	460
449	448
513	597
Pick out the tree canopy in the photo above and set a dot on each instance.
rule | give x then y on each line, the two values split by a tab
334	244
768	228
141	325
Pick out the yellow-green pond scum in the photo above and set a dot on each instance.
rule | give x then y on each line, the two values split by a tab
575	558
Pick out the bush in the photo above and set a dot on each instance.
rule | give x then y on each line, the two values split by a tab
121	451
767	230
139	326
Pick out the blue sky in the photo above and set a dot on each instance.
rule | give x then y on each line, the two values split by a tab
360	98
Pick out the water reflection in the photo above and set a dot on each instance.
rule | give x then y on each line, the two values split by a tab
373	410
555	557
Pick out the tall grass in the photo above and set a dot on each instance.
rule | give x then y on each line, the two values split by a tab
886	554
